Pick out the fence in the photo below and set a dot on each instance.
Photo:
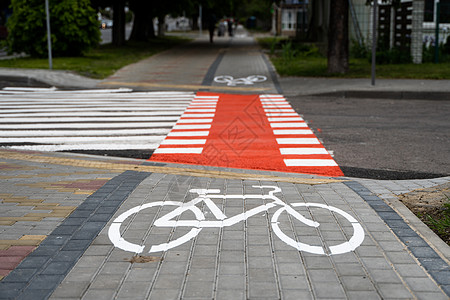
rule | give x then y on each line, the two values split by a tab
404	27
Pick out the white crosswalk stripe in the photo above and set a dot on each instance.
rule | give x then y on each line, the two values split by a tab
55	120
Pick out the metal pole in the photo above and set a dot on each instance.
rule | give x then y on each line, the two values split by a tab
49	37
200	18
374	39
436	40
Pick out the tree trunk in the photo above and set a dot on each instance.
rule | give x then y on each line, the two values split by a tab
143	21
338	44
161	25
118	32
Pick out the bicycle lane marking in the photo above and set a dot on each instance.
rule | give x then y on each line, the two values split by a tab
170	221
259	132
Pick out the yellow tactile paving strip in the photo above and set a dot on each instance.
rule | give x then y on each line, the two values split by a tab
69	186
57	211
26	240
118	166
47	174
183	86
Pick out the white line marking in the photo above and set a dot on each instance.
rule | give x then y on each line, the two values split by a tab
84	119
82	139
178	151
86	132
91	125
288	125
277	106
195	120
94	114
198	115
285	119
174	110
310	162
90	104
292	131
183	142
302	151
278	110
199	126
298	141
53	148
189	110
281	114
188	133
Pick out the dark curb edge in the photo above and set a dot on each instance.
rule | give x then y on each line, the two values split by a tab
424	253
40	273
400	95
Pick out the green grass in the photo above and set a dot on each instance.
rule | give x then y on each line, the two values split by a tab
359	68
101	62
440	222
291	58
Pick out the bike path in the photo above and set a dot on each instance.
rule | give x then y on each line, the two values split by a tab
196	65
260	132
239	260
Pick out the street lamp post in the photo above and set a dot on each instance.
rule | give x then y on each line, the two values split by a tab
374	39
49	37
436	40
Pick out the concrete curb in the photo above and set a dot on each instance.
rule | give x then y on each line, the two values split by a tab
399	95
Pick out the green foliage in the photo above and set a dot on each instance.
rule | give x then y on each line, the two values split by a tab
359	51
74	27
102	61
444	52
393	56
440	222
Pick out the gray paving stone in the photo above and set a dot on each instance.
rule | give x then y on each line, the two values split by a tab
394	291
169	281
259	290
198	274
133	290
328	290
428	295
357	283
296	294
226	294
71	289
293	282
199	290
367	295
107	281
322	275
99	294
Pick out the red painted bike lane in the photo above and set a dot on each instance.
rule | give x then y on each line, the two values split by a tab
259	132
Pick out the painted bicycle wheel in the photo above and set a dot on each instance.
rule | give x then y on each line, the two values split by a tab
119	241
257	78
334	215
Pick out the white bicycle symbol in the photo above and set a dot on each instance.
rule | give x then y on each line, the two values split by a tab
230	81
205	195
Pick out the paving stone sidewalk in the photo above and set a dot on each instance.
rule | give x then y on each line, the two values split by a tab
248	260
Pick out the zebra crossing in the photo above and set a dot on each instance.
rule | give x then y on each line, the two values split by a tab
83	120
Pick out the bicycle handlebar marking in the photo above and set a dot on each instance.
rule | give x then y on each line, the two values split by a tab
230	81
169	220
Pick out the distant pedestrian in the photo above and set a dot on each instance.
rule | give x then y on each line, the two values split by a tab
211	27
230	27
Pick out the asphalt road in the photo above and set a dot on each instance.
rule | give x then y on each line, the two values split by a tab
370	138
382	138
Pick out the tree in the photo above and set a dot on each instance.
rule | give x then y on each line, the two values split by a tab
74	24
338	42
143	20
